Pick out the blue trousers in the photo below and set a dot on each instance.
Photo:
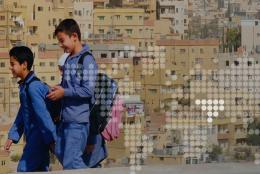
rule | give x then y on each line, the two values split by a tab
35	157
98	155
71	143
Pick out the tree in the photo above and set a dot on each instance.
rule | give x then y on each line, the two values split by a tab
252	138
233	39
216	150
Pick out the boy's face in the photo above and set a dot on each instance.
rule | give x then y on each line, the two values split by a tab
67	42
17	68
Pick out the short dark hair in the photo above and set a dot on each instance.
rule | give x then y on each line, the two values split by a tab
22	54
68	26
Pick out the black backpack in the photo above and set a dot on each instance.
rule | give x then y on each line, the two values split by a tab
54	107
102	101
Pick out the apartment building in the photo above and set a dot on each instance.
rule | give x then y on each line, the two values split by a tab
238	84
83	14
150	7
177	13
250	35
129	22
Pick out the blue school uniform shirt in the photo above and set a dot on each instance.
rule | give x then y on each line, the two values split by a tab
79	85
33	119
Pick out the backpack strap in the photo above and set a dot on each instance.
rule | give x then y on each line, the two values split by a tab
81	59
80	65
27	86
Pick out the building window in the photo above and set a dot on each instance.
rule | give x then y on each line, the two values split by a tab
40	8
101	18
103	55
182	51
53	21
129	31
227	63
117	17
43	78
89	26
2	18
113	55
61	1
236	63
198	61
162	10
101	31
1	94
117	31
52	64
201	51
249	63
2	64
52	78
129	17
42	63
125	55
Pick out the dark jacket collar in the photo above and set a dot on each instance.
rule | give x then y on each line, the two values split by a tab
27	78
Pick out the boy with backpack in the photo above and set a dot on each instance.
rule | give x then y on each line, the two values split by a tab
33	119
76	92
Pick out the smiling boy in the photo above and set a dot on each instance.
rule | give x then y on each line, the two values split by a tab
76	91
33	119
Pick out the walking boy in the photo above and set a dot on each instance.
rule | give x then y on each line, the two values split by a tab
33	119
76	91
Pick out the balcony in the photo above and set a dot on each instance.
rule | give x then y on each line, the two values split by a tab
33	39
167	15
222	136
167	3
240	135
15	37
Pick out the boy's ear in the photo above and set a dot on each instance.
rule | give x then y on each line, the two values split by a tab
25	65
75	35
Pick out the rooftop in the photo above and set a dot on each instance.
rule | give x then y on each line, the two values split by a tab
171	42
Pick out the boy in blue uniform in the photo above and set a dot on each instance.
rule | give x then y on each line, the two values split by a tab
33	119
76	91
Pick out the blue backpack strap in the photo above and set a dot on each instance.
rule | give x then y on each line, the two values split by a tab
27	86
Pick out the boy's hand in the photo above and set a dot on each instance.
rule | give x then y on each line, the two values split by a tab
89	148
8	144
56	93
